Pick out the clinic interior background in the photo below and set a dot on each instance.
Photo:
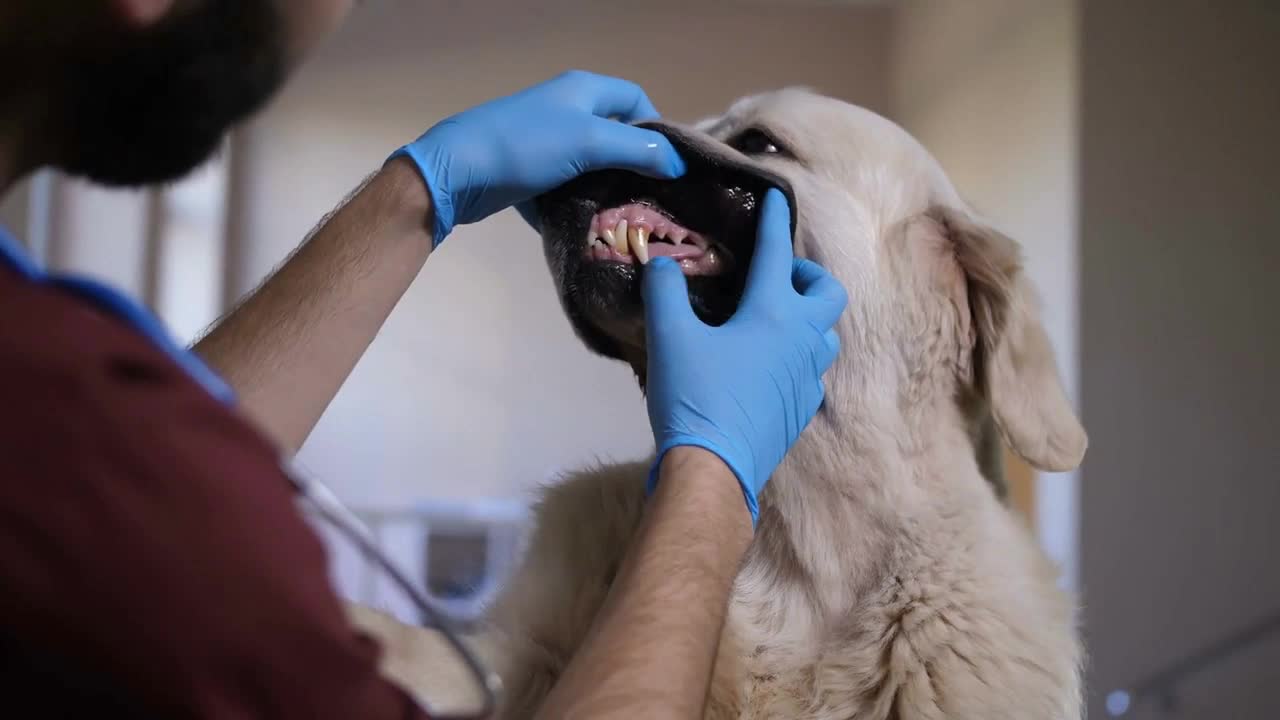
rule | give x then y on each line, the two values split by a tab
1129	146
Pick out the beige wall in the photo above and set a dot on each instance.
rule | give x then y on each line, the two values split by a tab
989	86
14	207
477	386
1180	252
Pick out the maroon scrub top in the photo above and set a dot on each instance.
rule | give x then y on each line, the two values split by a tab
152	560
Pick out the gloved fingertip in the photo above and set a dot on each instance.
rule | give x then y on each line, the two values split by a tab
661	270
825	354
656	272
666	293
832	339
663	275
674	164
777	201
643	112
678	166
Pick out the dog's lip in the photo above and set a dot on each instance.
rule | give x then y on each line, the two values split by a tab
695	145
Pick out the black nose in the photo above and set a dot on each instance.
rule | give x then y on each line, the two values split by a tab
701	152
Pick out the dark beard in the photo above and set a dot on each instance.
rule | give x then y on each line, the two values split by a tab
151	106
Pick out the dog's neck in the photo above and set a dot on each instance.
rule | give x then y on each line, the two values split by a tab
866	440
863	476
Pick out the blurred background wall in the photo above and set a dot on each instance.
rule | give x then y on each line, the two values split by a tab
1129	146
1180	246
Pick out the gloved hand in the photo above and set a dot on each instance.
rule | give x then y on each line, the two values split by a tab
510	150
746	389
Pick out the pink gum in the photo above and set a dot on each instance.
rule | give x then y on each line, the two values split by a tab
638	215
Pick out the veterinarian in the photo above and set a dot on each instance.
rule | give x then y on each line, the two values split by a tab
152	561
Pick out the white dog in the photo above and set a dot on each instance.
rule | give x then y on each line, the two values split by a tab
887	579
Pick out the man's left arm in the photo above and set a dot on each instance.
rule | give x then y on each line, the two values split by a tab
291	344
288	348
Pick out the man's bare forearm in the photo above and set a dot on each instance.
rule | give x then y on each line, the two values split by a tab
651	650
288	348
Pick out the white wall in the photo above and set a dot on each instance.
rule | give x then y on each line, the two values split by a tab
989	87
477	387
1180	253
99	232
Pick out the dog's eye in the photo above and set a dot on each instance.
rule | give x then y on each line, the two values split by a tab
755	142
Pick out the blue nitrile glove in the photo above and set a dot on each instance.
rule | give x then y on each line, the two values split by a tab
743	390
508	151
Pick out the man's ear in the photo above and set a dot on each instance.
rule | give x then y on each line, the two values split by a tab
1013	362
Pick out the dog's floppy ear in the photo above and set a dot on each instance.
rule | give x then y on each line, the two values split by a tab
1013	362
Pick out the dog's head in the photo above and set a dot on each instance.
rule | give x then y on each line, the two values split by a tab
939	305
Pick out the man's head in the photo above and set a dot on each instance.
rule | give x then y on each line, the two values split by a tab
128	92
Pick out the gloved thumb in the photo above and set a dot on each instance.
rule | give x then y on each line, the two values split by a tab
666	294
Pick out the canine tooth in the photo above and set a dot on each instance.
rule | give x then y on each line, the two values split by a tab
608	238
619	239
639	238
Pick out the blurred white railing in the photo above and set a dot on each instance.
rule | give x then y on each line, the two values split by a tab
458	552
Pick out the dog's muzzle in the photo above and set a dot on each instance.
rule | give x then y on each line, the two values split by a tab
600	229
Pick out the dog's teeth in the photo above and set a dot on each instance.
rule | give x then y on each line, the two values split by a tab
639	238
619	239
608	238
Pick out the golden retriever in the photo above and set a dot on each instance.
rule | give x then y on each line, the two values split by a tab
887	579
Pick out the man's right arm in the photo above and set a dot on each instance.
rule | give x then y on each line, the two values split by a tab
726	403
651	649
